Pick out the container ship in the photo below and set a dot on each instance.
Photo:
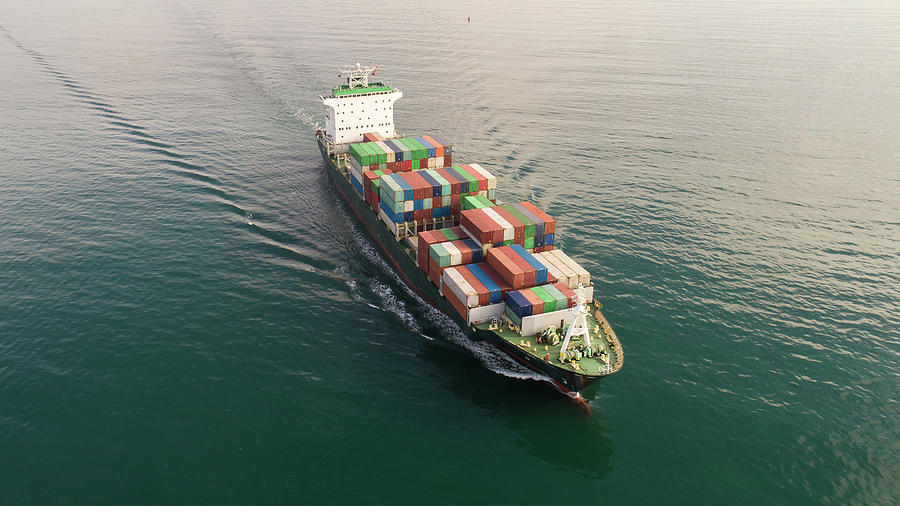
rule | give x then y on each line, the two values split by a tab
490	266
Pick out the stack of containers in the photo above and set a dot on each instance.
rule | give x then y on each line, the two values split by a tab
426	238
449	254
522	224
430	193
372	186
472	285
566	270
518	267
538	300
400	155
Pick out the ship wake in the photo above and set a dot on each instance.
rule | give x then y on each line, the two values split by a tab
389	300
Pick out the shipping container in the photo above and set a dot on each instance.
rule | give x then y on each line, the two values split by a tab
583	276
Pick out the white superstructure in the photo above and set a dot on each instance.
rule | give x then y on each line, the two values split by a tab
358	107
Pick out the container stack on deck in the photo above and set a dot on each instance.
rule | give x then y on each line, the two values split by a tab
499	261
400	154
410	197
503	225
538	300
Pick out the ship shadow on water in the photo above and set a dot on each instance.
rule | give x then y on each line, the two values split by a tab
549	427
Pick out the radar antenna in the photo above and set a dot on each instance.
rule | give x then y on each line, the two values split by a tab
358	77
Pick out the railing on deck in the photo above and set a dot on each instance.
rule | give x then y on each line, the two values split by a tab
613	341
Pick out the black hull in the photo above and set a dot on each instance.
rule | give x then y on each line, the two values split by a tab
568	382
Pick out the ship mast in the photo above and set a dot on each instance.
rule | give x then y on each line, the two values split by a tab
578	327
358	77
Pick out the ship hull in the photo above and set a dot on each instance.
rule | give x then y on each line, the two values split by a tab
567	382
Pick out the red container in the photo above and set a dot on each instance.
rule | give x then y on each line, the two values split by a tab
454	184
484	295
506	268
460	307
518	226
447	161
434	272
549	223
438	149
406	165
537	304
567	293
480	225
495	277
426	239
482	181
527	268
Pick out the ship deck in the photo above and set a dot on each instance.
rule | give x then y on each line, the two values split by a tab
602	336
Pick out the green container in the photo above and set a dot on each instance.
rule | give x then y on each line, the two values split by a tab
439	254
549	302
390	190
419	150
353	150
529	225
426	203
471	203
473	183
529	243
371	156
378	154
415	164
449	234
557	296
445	185
509	242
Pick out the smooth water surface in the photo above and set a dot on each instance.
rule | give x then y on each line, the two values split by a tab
728	171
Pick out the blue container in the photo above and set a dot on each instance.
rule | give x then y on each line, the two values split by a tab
539	268
548	240
417	205
448	150
496	293
477	256
538	223
428	146
518	303
409	216
396	218
407	189
435	185
398	153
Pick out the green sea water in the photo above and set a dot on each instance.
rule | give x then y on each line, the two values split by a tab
728	171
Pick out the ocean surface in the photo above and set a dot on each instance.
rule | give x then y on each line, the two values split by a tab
729	171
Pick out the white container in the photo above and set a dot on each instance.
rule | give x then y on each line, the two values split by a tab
508	230
458	285
584	277
455	254
387	151
483	314
552	269
491	179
